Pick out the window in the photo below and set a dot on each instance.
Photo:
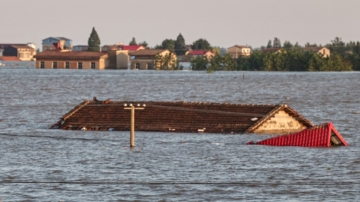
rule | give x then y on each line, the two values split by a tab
137	65
92	65
79	65
67	65
150	66
55	65
42	65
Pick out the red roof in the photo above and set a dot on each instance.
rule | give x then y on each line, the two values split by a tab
131	47
324	135
9	58
197	52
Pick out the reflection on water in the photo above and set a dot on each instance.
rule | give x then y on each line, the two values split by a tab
100	166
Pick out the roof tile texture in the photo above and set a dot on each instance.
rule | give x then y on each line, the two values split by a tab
165	116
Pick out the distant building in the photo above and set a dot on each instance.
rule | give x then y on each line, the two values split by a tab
323	51
23	52
203	53
236	51
119	58
4	45
107	48
80	48
64	43
121	47
71	60
273	50
147	59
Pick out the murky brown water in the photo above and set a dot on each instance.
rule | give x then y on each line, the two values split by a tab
38	164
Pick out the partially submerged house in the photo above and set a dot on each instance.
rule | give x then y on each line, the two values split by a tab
150	59
71	60
119	58
238	51
208	54
184	117
23	52
17	52
322	51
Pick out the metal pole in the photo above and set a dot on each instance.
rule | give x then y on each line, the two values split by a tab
132	122
132	131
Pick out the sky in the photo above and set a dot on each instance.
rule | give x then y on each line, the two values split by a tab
222	23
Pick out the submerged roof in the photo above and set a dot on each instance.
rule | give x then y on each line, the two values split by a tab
324	135
172	116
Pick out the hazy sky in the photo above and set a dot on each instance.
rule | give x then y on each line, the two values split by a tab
223	23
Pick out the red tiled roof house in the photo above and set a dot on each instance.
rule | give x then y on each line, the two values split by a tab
202	53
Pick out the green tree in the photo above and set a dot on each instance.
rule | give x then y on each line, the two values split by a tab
337	46
168	44
94	41
143	44
287	45
166	62
277	43
133	42
311	45
179	45
269	45
216	50
201	44
229	63
199	63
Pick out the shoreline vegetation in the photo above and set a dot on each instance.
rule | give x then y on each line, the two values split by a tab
290	57
343	57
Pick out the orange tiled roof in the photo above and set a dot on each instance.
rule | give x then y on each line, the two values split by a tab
9	58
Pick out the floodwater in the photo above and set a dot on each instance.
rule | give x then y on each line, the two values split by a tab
39	164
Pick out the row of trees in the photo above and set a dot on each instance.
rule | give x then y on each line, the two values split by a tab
292	60
348	53
177	46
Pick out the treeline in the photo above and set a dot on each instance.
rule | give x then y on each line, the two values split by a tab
179	47
291	57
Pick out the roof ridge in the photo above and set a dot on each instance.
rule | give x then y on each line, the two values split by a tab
75	109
